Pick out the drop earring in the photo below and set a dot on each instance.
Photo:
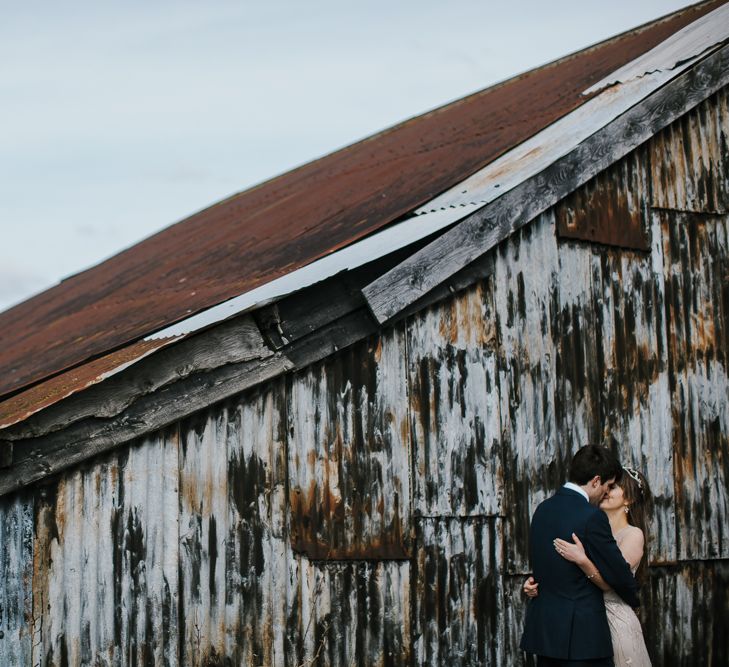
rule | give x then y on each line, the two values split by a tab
626	509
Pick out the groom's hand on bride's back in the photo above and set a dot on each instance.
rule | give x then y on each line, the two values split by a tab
531	588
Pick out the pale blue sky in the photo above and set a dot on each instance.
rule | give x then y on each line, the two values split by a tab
119	119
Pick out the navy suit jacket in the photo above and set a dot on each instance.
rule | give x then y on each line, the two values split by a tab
567	620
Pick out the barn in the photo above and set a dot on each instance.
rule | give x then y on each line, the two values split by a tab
308	425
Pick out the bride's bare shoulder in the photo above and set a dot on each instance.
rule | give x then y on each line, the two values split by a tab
634	534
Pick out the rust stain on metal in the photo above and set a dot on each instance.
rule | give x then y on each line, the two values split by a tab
250	239
453	407
458	589
690	160
609	209
45	534
349	429
697	294
316	510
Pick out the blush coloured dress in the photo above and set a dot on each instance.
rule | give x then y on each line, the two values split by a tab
627	635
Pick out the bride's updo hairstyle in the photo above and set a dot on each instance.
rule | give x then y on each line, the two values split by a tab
637	494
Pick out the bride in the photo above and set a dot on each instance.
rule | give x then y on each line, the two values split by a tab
625	505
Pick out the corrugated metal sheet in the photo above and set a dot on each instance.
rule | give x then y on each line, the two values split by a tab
696	255
610	208
16	576
690	187
613	336
456	425
458	594
695	39
105	544
178	551
349	463
638	79
237	575
353	614
534	455
690	160
633	397
559	139
557	175
693	599
334	201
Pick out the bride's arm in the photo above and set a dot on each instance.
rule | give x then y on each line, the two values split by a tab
576	553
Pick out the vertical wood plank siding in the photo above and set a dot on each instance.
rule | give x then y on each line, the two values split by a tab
373	509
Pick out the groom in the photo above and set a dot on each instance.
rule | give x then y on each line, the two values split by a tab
566	624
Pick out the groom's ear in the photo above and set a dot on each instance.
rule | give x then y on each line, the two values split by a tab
596	481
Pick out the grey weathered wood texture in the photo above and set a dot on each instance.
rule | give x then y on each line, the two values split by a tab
370	506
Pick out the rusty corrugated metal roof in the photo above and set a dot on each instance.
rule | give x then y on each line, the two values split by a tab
258	235
40	396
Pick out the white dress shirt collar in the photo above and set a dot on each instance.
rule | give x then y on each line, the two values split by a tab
573	487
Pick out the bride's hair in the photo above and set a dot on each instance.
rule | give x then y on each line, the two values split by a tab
638	494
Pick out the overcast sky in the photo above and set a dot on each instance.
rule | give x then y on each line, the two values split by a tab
119	119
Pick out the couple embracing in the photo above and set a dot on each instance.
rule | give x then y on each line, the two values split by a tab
586	544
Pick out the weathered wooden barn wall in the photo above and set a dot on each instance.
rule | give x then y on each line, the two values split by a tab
373	509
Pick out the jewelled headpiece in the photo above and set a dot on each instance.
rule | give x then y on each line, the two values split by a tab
634	475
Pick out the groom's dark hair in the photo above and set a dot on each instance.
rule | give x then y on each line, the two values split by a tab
592	460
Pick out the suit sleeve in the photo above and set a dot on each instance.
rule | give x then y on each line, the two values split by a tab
603	551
